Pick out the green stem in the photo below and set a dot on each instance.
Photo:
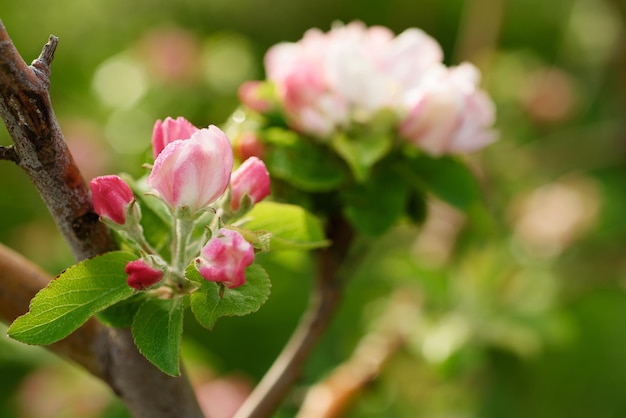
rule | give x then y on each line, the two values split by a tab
180	239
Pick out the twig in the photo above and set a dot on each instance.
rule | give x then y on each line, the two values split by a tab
335	394
109	353
323	303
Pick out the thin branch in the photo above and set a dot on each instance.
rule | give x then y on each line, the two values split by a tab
323	303
9	154
335	394
108	353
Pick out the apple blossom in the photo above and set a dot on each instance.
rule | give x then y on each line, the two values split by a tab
225	258
111	198
169	130
251	179
142	275
448	113
327	80
191	174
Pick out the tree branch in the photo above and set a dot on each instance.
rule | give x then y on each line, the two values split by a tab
332	396
9	154
41	151
323	303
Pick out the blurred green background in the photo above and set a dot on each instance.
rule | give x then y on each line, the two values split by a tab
517	309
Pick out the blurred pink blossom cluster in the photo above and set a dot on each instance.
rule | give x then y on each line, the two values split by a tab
329	80
192	174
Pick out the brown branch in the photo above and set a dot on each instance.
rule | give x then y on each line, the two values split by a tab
9	154
41	151
323	303
335	394
20	280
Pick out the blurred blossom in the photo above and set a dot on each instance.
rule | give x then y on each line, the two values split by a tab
553	216
328	81
350	71
448	113
227	61
172	55
221	398
120	82
549	95
247	145
248	93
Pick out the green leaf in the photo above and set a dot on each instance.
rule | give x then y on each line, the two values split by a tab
291	227
261	240
302	163
73	297
362	153
121	314
374	206
207	305
157	330
447	178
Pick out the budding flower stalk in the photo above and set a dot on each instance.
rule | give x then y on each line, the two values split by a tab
225	258
250	179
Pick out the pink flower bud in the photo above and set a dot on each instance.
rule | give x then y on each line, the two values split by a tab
169	131
142	275
252	179
248	145
249	95
225	258
449	114
193	173
111	198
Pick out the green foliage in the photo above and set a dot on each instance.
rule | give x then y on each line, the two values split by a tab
363	152
157	330
303	163
213	301
447	178
291	227
374	206
73	297
121	314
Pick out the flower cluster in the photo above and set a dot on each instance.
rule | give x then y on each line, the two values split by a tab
326	82
192	175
